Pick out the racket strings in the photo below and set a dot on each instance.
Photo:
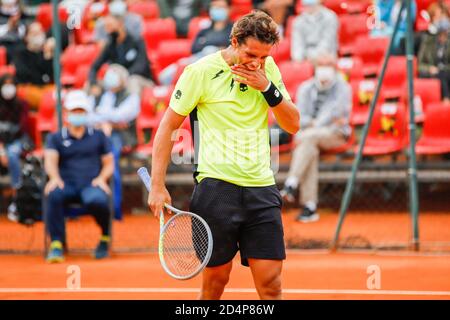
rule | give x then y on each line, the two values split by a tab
185	244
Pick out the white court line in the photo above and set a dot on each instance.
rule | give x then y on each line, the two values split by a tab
237	290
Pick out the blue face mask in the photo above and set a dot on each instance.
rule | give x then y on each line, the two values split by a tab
77	119
218	14
310	2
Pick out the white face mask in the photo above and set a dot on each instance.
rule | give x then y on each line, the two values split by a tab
325	77
8	91
111	80
37	42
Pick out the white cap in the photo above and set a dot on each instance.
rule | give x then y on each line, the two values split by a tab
77	99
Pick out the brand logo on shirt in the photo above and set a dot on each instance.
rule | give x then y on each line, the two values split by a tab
67	143
217	74
277	93
243	87
178	95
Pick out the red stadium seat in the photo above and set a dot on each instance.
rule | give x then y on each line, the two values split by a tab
294	73
75	56
388	130
395	76
436	130
282	51
196	24
426	92
240	8
170	51
44	15
351	67
46	117
351	27
371	51
146	9
157	30
3	57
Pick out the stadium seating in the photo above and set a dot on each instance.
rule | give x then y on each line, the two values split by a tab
350	28
395	76
371	51
240	8
170	51
294	73
282	51
196	24
46	118
435	138
157	30
148	10
341	7
74	57
428	91
44	15
388	130
351	67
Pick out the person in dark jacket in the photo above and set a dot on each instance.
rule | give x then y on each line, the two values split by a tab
434	57
13	128
34	64
125	50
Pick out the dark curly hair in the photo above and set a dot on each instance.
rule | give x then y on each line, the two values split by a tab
258	25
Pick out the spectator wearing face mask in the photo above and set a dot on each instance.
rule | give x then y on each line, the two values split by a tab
133	22
434	57
34	64
13	129
314	31
78	162
182	11
218	34
12	25
207	41
325	103
116	114
125	50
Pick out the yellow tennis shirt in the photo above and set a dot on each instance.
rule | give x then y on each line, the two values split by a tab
233	135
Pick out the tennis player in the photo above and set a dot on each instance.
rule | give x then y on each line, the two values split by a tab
227	95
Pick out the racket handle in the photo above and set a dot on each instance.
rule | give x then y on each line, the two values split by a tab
145	177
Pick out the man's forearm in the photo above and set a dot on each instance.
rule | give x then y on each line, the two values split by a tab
107	168
162	149
288	117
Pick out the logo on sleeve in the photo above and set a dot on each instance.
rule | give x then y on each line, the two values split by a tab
178	94
217	74
277	93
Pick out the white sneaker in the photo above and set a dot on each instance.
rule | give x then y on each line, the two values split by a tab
12	212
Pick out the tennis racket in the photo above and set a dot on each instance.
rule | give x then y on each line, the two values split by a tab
185	241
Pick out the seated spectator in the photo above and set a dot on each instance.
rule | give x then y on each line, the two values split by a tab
279	10
123	49
325	103
434	57
12	25
218	34
133	22
13	132
388	11
182	11
34	64
116	114
207	41
78	162
314	31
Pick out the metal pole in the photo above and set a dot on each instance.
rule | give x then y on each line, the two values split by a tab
56	30
351	182
412	172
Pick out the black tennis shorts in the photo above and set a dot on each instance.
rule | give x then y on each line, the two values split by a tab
247	219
